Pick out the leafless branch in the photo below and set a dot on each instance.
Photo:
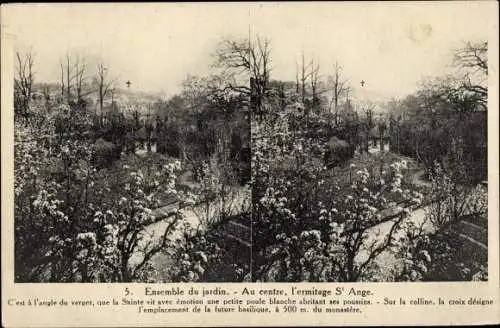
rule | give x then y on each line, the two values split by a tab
473	55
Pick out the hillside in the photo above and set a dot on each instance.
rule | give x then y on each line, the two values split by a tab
128	99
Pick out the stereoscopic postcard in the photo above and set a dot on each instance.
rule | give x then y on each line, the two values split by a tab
250	164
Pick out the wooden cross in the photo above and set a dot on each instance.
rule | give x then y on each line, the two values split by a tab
362	83
128	83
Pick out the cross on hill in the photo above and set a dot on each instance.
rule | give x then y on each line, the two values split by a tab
362	83
128	83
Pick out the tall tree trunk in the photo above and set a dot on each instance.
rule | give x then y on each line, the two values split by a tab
68	81
101	101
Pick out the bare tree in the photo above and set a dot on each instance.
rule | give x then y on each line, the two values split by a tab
103	83
46	94
339	88
347	94
452	95
73	75
314	81
195	91
61	65
297	84
24	79
369	110
80	76
250	61
473	55
69	77
304	76
309	74
260	68
473	59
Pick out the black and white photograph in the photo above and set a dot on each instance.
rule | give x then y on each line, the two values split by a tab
238	145
369	142
132	154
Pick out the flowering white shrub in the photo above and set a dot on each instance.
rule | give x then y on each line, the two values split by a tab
438	256
74	223
451	200
305	227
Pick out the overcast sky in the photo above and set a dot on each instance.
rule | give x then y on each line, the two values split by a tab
390	46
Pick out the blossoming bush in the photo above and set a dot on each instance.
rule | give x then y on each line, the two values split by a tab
208	255
46	175
451	200
439	256
438	253
304	227
75	223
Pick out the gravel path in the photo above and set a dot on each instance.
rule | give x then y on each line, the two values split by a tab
378	233
194	216
418	180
